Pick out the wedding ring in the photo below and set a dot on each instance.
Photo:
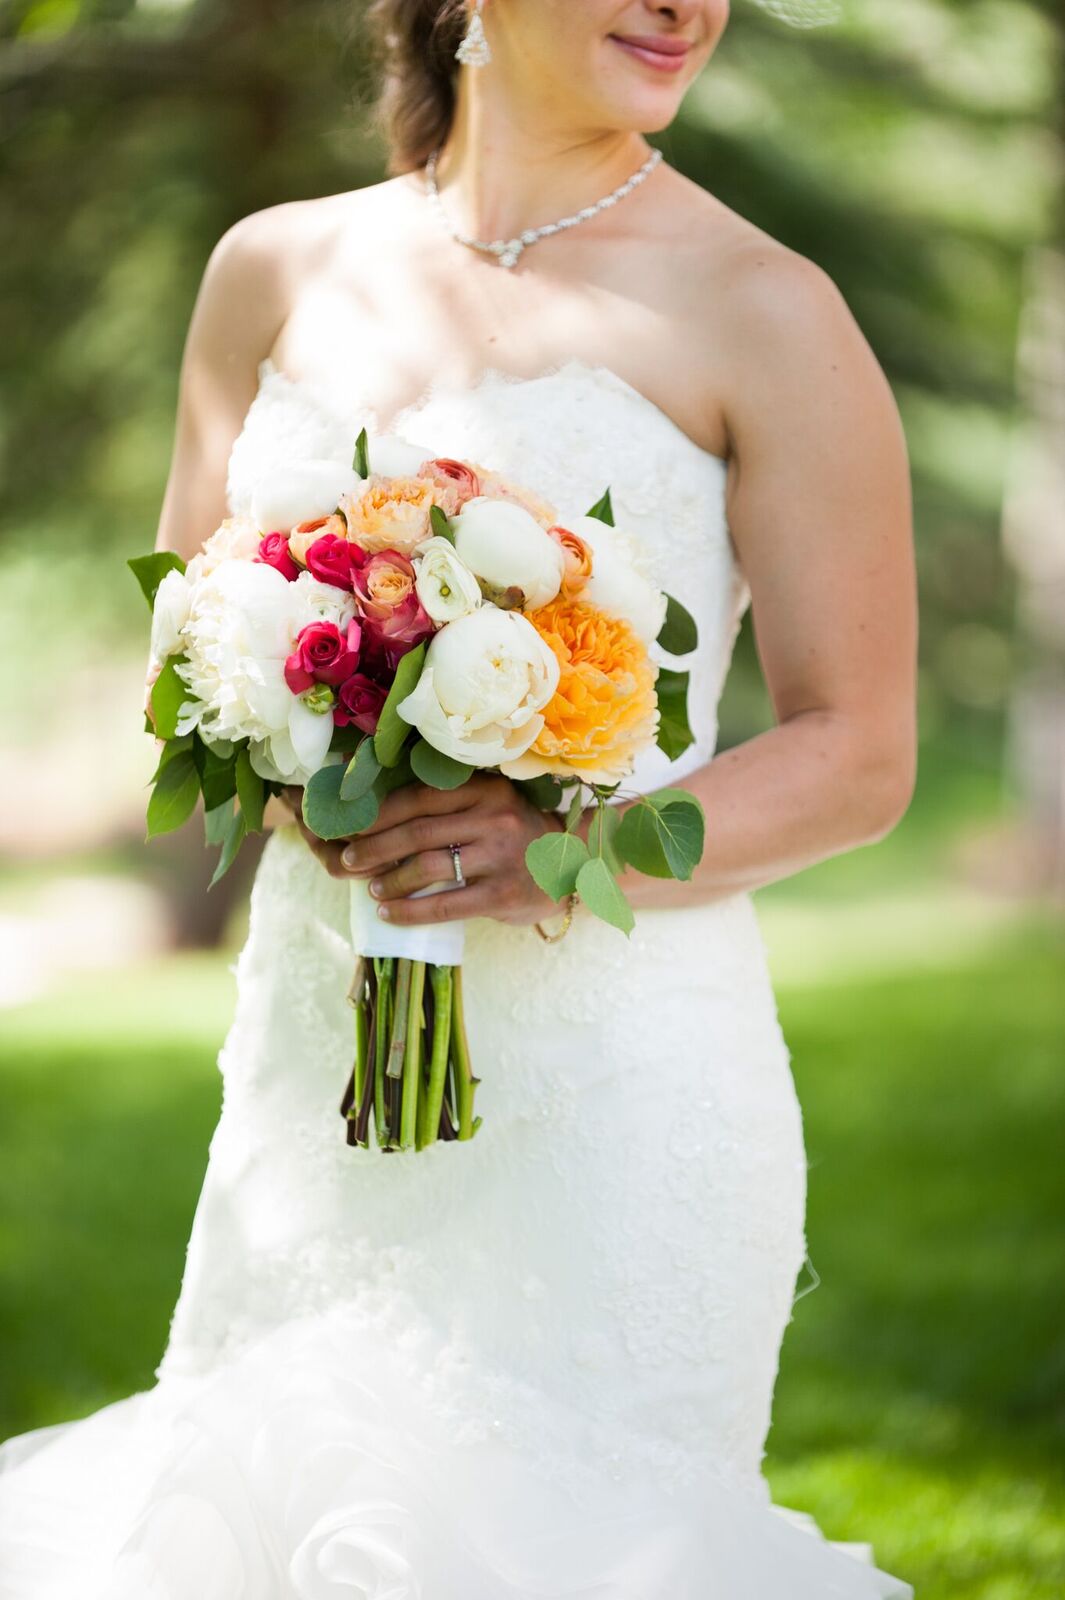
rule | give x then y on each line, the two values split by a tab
456	862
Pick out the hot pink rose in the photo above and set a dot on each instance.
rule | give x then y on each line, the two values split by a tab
456	481
334	560
323	655
274	552
359	701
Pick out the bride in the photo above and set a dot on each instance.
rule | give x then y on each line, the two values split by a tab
539	1363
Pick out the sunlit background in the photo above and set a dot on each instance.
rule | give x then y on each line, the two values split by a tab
914	150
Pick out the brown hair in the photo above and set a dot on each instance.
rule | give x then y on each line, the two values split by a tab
415	43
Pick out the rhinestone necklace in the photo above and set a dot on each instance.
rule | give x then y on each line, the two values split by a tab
507	251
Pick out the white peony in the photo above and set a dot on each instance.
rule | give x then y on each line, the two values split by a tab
445	585
237	539
505	545
243	621
485	682
392	457
170	612
620	583
300	491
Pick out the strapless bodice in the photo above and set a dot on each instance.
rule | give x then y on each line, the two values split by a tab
567	434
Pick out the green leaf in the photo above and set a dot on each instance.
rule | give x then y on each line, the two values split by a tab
392	731
172	748
330	817
554	860
674	730
603	509
233	838
545	791
361	770
150	571
662	834
575	809
440	524
174	797
169	694
216	822
598	890
390	778
218	773
251	792
435	768
361	458
601	834
346	740
678	633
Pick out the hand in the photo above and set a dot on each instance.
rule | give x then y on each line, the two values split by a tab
407	849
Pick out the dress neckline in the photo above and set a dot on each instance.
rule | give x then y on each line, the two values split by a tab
595	372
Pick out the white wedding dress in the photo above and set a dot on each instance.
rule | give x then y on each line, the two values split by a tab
539	1364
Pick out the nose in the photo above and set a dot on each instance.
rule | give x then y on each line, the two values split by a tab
679	12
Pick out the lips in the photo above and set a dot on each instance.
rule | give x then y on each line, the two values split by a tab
653	49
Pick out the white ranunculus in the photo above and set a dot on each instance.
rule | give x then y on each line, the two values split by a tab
620	583
300	491
485	682
505	545
445	585
392	457
243	621
170	612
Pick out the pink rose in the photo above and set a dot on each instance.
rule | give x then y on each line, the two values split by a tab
359	701
323	655
384	590
274	552
334	560
456	482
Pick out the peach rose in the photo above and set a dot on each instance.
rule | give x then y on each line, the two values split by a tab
605	708
389	514
304	534
578	558
454	482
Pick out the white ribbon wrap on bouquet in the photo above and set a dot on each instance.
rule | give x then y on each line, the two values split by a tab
439	942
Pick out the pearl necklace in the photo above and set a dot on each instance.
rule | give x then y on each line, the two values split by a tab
507	251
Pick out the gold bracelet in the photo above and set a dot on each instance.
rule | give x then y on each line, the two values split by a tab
553	938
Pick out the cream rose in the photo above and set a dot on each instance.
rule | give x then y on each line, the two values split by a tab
446	587
482	690
504	545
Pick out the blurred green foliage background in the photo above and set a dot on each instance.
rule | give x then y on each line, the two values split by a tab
914	150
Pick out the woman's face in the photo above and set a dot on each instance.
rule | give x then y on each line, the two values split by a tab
603	63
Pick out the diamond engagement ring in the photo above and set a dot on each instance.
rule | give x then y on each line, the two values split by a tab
456	862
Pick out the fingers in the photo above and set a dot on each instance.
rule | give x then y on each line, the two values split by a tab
429	866
370	851
421	799
477	900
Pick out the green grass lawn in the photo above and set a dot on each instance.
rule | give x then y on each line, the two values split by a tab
921	1400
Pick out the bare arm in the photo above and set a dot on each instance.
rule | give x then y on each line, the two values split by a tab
819	509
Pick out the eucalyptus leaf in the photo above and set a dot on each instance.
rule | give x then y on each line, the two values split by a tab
601	835
361	459
599	891
603	509
361	770
169	694
150	571
575	809
674	729
174	797
545	791
554	860
678	633
435	768
330	817
251	793
662	834
392	731
233	838
390	778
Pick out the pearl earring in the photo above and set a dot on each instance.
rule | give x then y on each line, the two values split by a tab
474	51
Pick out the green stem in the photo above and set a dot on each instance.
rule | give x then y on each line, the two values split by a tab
384	967
362	1039
443	980
465	1082
398	1045
412	1059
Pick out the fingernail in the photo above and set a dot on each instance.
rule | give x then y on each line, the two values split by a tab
348	857
383	911
375	887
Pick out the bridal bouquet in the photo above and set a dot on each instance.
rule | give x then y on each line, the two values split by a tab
418	618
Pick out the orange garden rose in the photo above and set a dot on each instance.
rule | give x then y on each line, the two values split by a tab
578	558
604	709
390	514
